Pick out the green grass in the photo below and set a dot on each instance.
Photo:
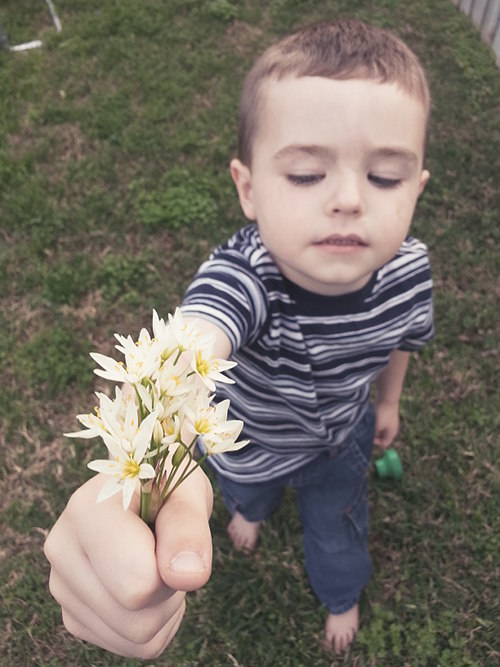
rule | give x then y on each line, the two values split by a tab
114	143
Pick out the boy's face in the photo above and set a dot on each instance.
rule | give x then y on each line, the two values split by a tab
336	172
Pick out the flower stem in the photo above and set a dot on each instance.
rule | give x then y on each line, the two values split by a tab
150	503
183	476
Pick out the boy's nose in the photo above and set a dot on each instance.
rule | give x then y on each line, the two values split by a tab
345	195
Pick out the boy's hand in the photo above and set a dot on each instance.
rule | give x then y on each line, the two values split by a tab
386	423
389	387
119	589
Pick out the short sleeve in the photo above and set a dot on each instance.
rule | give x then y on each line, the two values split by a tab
420	329
227	292
422	334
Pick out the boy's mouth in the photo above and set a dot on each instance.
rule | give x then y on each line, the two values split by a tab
351	240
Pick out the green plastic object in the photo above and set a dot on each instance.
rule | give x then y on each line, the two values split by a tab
389	466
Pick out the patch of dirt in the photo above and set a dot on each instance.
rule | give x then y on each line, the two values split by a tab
66	142
243	36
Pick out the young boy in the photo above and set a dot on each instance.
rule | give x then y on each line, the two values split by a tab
324	295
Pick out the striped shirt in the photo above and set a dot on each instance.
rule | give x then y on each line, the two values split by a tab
305	361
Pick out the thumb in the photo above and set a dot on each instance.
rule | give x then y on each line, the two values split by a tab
183	538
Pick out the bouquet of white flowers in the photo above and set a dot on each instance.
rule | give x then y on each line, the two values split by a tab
151	426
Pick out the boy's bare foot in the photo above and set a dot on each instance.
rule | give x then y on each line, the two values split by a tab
243	533
340	629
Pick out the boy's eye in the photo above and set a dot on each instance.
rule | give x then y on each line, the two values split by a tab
305	179
382	182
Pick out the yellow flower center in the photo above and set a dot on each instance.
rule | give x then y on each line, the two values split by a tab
206	421
168	426
203	365
130	469
203	425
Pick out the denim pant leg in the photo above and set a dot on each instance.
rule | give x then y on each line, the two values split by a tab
255	502
334	512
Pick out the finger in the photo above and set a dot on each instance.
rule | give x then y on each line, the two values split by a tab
107	639
83	596
183	539
381	442
119	546
98	543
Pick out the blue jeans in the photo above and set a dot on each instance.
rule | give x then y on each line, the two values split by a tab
333	508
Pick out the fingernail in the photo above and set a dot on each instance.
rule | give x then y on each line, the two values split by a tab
187	561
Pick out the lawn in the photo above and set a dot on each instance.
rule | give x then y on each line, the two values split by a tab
115	138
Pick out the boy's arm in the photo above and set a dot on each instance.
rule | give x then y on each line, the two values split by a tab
389	386
222	344
118	587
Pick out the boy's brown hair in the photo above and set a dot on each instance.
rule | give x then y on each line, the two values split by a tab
346	49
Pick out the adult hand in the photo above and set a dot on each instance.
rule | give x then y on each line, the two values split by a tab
118	587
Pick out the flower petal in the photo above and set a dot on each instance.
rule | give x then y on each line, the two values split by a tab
146	471
111	488
129	486
87	434
112	369
216	446
142	439
104	466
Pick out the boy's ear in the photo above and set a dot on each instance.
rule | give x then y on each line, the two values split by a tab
424	178
243	181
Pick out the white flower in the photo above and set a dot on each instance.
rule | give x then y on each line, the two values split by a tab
171	430
209	369
142	359
95	427
173	379
218	434
126	465
113	370
169	405
210	422
147	396
108	412
157	433
224	443
125	471
163	336
118	423
187	334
